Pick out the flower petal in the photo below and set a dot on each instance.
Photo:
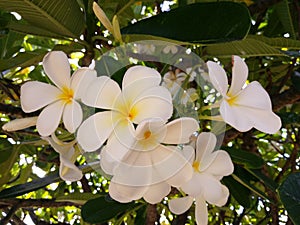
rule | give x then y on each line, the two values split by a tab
19	124
157	192
222	164
251	108
201	213
57	67
155	102
180	205
80	81
138	79
49	118
180	130
253	96
236	117
35	95
72	116
193	186
125	193
171	165
107	162
218	77
102	93
239	75
205	146
67	170
94	131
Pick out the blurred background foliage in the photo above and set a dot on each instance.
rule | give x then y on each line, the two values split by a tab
266	182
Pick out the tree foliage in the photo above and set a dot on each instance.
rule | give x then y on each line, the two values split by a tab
264	188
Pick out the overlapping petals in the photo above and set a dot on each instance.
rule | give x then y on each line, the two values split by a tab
60	100
243	108
141	98
209	168
148	166
67	155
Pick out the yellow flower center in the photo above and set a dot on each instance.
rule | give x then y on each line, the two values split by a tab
132	114
66	95
196	166
232	100
147	134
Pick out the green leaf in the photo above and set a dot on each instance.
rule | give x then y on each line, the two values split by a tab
280	21
29	186
247	48
245	158
290	196
79	198
102	209
240	193
198	23
279	42
60	17
22	59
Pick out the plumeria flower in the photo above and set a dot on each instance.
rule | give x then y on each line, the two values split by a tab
152	163
243	107
60	100
209	168
20	124
141	98
67	155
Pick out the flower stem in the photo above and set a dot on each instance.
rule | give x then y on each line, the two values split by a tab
215	118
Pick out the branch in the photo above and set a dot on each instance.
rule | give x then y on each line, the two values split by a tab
151	215
27	203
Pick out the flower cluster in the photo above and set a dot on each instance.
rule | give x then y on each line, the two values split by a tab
144	150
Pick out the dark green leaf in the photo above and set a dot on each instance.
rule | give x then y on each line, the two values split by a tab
245	158
29	186
23	59
240	193
102	209
200	23
290	196
60	17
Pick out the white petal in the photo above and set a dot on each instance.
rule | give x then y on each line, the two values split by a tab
80	81
205	145
218	77
157	192
124	193
239	75
135	170
94	131
140	78
188	153
67	170
36	95
253	96
236	117
180	130
155	102
19	124
72	116
107	162
201	213
222	164
57	67
171	165
193	187
49	118
102	93
180	205
213	191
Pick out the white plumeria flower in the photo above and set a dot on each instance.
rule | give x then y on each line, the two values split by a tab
67	155
243	108
209	168
149	167
60	101
141	98
20	124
